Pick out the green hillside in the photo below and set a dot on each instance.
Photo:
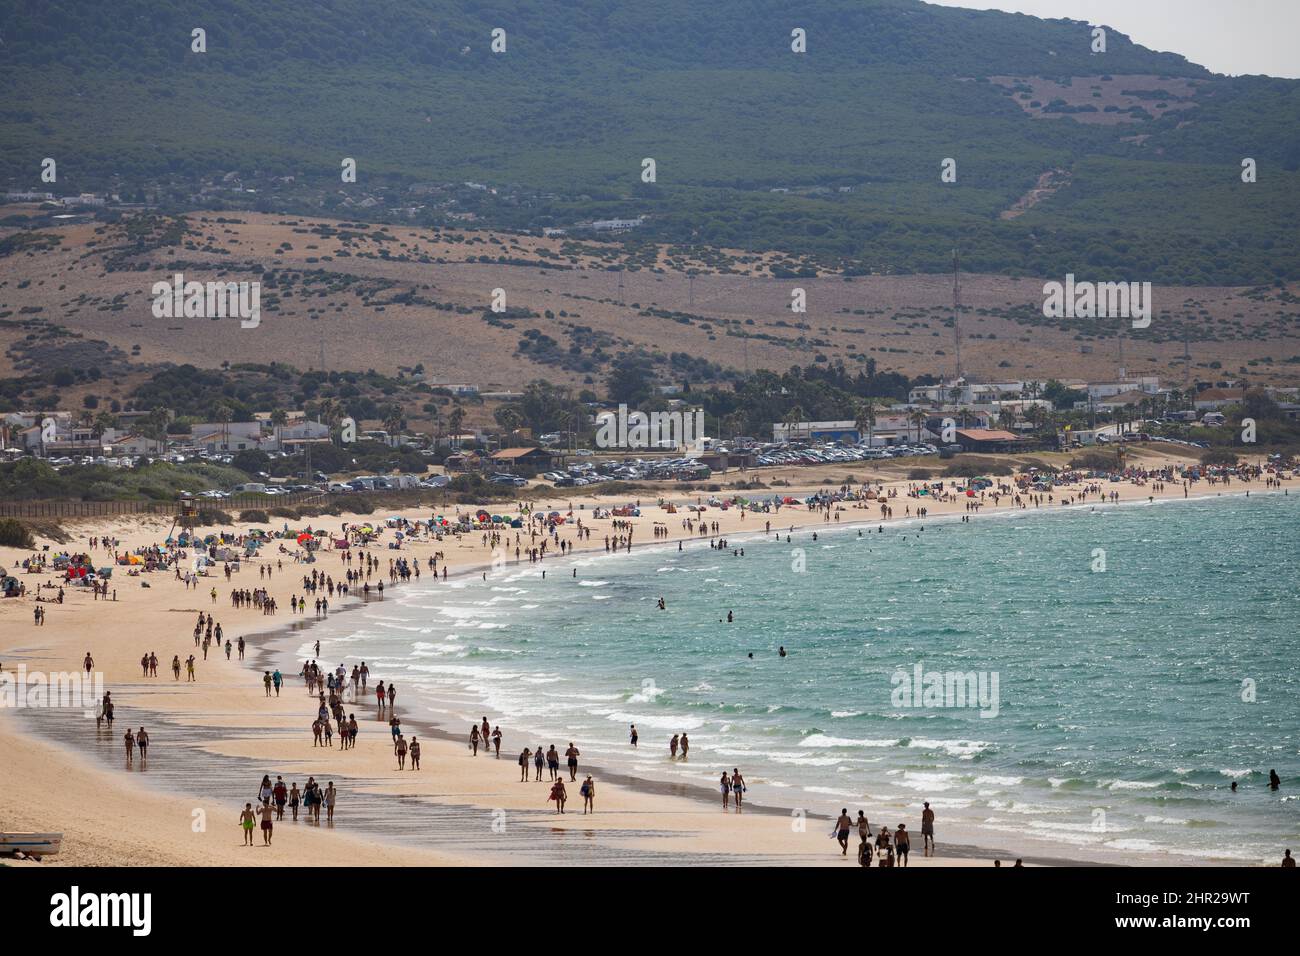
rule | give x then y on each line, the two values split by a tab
855	128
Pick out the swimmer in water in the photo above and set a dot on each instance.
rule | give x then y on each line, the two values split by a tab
781	651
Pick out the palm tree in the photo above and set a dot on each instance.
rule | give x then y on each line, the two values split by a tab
1035	416
103	422
154	427
279	418
791	418
435	414
456	419
224	415
393	424
918	418
864	414
509	418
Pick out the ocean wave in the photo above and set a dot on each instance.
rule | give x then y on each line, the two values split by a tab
822	740
1127	785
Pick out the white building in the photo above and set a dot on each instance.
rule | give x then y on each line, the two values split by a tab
962	392
1149	384
616	225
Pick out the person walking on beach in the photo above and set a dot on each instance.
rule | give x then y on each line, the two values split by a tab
473	738
633	735
142	743
864	829
381	696
246	820
737	787
524	757
902	843
843	826
573	753
330	796
392	697
266	682
415	753
189	669
176	667
281	795
401	753
496	741
129	740
89	664
927	831
267	812
672	748
295	798
539	760
725	786
553	761
588	791
559	795
685	746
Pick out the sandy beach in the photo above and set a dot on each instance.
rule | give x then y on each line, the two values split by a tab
214	738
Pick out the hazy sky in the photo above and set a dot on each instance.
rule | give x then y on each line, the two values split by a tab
1224	36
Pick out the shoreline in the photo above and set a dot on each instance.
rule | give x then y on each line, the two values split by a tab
277	650
640	794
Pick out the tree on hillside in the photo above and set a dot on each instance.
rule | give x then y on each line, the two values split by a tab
279	418
864	416
456	419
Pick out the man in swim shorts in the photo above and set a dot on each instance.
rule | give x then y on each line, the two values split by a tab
843	826
927	831
267	816
246	821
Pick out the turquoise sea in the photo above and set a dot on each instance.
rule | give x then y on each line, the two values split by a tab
1128	699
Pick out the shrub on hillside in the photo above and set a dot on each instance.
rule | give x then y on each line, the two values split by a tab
1093	461
254	516
208	517
1219	456
15	534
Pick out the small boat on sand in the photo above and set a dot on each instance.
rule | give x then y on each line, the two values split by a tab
30	844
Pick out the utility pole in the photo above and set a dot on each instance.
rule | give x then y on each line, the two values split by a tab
956	314
1121	351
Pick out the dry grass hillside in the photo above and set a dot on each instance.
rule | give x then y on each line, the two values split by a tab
384	297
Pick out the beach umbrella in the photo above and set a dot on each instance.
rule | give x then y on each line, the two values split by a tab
304	537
